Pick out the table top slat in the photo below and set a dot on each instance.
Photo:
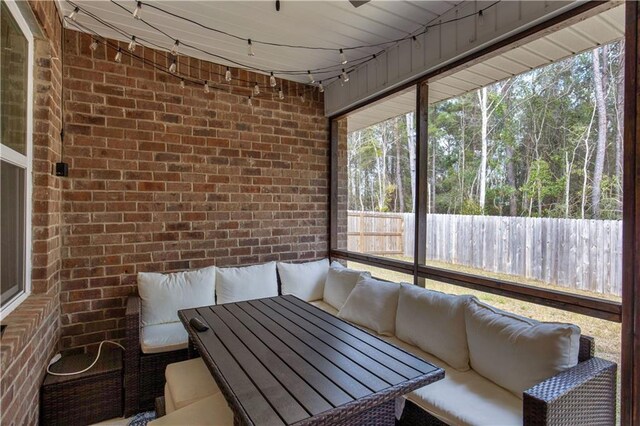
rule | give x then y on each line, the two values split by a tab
338	359
308	372
300	390
390	350
226	369
280	399
354	353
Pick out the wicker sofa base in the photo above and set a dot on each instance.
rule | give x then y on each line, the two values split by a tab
412	415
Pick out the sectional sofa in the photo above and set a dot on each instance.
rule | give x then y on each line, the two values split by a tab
500	368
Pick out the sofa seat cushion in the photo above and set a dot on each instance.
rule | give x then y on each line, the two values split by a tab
246	283
325	307
163	338
169	405
463	397
304	280
163	295
212	410
189	381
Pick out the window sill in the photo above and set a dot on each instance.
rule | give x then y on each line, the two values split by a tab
22	324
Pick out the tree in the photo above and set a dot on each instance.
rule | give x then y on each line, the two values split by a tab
598	85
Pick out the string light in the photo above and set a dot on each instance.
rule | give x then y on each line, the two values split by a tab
310	76
73	14
249	102
182	85
137	10
118	57
94	45
227	75
302	97
174	49
256	89
320	86
343	57
250	48
173	67
344	75
416	42
132	44
280	93
480	17
206	86
272	80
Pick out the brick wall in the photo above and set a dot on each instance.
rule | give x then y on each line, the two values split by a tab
164	178
33	329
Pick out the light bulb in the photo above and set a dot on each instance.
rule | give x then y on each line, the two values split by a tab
250	48
137	10
310	76
132	44
280	93
345	76
343	57
173	67
206	87
256	89
118	57
94	45
182	83
227	75
73	14
302	97
174	49
320	87
249	101
272	80
416	42
480	17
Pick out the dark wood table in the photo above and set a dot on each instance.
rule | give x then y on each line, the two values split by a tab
282	361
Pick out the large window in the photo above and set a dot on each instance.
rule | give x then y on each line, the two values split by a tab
16	49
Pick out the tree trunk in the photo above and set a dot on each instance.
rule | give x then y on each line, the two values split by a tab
602	134
620	127
411	144
482	94
511	180
399	188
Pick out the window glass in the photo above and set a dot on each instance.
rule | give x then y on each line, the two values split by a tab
13	89
12	230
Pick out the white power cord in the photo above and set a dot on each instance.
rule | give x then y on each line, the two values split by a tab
58	356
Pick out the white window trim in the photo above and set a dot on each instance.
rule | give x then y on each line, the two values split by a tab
12	156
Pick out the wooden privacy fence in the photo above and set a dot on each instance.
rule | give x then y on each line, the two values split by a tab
571	253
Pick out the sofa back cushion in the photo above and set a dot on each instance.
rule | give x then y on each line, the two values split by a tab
516	352
246	283
340	281
372	304
163	295
434	322
304	280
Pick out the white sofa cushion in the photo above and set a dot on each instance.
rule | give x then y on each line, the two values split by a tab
463	398
442	332
340	282
517	352
212	410
372	304
163	338
246	283
189	381
304	280
325	306
163	295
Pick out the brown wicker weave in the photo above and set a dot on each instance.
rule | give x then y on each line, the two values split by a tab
143	373
86	398
582	395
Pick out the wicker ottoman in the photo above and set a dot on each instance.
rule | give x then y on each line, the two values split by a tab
86	398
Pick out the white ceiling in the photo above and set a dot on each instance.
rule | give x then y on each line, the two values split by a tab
333	24
600	29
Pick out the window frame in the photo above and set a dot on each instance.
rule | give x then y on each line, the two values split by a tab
595	307
23	161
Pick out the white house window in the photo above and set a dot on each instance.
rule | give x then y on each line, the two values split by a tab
16	93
